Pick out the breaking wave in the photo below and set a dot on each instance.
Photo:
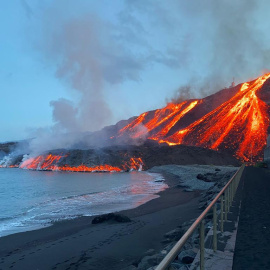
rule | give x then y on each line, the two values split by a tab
139	188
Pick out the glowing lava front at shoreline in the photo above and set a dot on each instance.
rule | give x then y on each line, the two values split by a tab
51	162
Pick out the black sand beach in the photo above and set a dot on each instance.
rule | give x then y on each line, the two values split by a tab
78	244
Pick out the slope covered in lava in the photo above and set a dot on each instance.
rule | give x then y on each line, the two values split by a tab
234	119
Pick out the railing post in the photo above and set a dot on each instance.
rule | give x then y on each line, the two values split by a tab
228	198
221	212
233	187
226	204
235	184
215	227
202	245
231	196
230	192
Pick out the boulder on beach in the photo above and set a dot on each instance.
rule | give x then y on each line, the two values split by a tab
187	256
110	217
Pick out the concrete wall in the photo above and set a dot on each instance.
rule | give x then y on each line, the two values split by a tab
267	151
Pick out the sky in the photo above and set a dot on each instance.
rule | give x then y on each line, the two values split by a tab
72	66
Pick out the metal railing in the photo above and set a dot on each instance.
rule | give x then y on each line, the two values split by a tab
225	196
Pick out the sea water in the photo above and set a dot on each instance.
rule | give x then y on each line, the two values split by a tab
35	199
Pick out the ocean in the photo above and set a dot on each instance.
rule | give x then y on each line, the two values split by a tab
35	199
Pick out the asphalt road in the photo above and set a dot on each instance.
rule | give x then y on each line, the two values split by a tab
252	249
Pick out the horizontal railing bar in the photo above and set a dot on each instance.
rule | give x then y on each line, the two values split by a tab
175	250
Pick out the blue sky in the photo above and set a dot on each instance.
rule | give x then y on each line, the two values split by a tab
79	65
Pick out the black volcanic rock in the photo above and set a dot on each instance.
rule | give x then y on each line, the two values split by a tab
185	155
110	217
7	147
202	177
151	155
264	92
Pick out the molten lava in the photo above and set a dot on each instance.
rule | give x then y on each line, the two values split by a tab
83	168
239	124
41	162
54	163
164	131
164	118
13	166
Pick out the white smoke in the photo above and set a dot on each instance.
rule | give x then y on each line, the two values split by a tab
211	41
88	53
76	47
6	161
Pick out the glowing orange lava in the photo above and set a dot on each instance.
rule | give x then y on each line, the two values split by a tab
51	163
163	119
240	124
9	166
164	131
83	168
13	166
47	162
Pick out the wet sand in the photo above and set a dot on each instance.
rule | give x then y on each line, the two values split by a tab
78	244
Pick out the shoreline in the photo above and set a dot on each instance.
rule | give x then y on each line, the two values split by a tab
96	245
155	182
142	209
167	179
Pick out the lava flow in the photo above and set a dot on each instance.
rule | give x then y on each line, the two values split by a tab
54	163
41	162
164	118
239	124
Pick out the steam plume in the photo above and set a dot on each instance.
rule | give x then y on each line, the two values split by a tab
228	41
211	42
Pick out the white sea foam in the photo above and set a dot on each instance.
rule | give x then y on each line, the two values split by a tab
47	205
